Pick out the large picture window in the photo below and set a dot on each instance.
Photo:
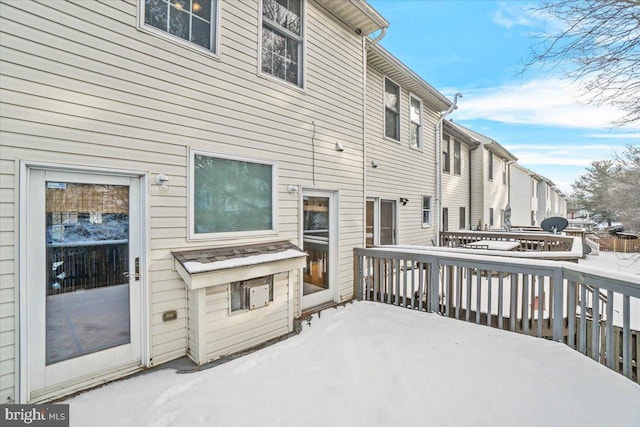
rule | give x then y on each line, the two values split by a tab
191	20
232	196
282	39
391	110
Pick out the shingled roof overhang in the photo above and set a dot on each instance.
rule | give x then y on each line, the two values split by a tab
206	267
390	66
356	14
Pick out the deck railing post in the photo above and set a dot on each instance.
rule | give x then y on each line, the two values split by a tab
360	277
558	303
434	286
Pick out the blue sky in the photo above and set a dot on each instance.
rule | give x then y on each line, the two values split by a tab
478	48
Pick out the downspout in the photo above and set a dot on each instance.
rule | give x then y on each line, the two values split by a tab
439	131
366	44
470	184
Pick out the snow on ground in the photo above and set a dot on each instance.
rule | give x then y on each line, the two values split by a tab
370	364
614	261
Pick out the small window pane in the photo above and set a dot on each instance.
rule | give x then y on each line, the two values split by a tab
179	23
415	110
202	9
200	33
155	13
391	95
415	135
391	128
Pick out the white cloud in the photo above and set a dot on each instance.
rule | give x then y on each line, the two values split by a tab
519	14
552	102
614	135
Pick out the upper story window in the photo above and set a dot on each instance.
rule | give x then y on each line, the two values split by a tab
282	39
446	157
193	21
504	172
415	122
391	110
490	166
426	211
457	158
231	196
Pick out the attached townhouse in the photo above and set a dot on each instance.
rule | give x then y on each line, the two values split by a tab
489	181
523	192
402	120
545	193
163	164
456	173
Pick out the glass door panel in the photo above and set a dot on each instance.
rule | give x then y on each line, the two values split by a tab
316	244
87	260
387	222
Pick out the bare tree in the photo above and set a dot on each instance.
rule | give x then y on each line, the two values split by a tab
598	46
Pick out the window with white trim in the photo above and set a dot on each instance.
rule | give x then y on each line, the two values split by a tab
490	166
231	196
457	158
446	156
282	40
426	211
193	21
391	110
491	216
415	122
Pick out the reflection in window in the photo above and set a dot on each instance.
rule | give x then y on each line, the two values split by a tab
282	39
232	195
391	110
415	130
191	20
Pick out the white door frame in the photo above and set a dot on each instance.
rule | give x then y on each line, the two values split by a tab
316	298
23	318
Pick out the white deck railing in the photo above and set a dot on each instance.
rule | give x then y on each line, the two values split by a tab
550	299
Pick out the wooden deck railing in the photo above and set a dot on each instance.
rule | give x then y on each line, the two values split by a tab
544	242
586	308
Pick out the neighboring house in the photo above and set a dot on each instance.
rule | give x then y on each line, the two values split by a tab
489	182
545	197
523	191
457	146
161	164
402	111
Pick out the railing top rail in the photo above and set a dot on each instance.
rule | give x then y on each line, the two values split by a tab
513	234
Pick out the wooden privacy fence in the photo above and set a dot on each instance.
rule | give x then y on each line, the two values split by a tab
590	312
616	244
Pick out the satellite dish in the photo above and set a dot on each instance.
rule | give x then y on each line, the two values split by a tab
555	224
586	249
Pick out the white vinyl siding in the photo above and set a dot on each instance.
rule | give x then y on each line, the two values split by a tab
456	187
122	98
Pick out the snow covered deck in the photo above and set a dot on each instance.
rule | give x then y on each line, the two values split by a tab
370	364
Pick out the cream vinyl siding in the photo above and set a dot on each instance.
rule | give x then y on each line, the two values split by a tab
228	333
520	191
455	188
82	85
402	171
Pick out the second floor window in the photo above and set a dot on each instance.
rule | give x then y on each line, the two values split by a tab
190	20
426	211
457	159
446	157
490	167
415	122
282	40
391	110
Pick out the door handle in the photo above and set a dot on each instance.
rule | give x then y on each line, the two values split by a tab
135	274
